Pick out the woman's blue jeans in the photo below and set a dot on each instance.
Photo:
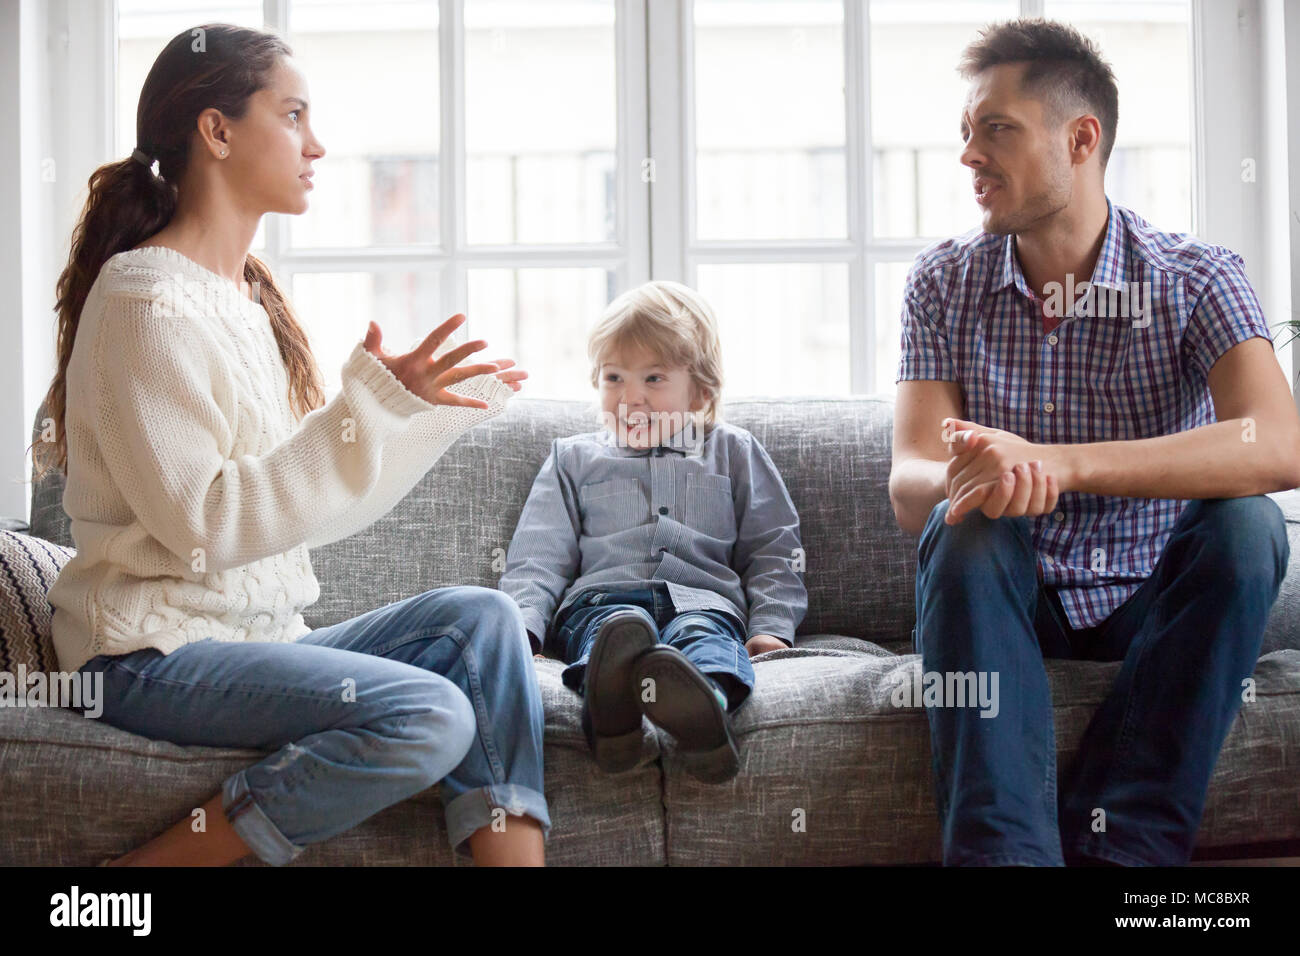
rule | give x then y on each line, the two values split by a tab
361	715
1188	638
713	641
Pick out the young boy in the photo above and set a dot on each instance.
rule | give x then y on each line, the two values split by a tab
667	539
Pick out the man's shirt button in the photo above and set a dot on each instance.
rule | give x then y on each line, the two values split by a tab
1051	340
1049	407
1059	516
663	509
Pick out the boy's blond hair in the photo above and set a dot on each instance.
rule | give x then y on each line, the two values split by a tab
672	322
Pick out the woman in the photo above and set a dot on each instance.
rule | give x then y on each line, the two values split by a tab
202	462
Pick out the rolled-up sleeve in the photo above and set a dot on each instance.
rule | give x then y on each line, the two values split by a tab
768	547
544	557
923	353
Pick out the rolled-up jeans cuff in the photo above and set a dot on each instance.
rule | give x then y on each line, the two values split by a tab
475	809
253	826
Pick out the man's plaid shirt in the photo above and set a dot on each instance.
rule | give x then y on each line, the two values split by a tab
1120	365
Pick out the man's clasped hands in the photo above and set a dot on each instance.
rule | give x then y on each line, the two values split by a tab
1001	473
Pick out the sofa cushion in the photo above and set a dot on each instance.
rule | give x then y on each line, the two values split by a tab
850	780
457	523
28	569
77	790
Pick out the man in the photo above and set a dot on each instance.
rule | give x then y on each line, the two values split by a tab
1086	464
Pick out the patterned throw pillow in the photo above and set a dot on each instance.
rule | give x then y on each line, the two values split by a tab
28	567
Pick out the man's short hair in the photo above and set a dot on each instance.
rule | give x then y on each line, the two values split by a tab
1064	70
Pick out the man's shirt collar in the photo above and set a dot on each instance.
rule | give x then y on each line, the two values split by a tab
1111	270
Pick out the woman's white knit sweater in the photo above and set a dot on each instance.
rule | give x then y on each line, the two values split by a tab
193	491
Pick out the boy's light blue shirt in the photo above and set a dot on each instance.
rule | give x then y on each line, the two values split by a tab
715	523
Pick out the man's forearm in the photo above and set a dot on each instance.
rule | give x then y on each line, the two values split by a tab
1228	459
916	485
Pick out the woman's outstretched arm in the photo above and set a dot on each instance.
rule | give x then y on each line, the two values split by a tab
159	409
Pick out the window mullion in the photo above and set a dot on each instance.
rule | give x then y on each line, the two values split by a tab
275	14
451	155
858	167
666	28
1200	146
632	196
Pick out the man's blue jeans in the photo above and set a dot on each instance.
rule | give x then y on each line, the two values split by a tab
361	715
1188	638
711	640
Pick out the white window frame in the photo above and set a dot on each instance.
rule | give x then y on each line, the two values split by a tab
655	77
676	253
627	255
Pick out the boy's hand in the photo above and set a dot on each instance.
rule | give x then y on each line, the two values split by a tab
762	643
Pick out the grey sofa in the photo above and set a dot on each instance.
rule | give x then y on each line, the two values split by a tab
832	772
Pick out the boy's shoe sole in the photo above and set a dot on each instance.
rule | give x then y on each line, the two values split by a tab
611	718
685	706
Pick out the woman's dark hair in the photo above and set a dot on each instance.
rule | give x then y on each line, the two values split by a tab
215	66
1064	70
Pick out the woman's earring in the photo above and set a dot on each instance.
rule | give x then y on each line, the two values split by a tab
223	153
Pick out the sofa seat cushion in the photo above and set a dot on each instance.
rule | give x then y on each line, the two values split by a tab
833	772
76	790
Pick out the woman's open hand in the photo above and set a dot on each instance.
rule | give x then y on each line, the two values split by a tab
428	376
510	378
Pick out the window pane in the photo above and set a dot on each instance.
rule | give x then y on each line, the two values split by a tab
540	318
890	278
540	121
336	307
372	72
920	187
1146	44
143	29
769	119
784	328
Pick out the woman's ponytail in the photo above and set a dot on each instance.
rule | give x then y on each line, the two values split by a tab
306	389
125	205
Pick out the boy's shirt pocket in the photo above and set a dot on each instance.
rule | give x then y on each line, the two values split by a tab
709	507
611	506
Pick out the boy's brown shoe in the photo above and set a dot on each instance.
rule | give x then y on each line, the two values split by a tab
611	718
684	705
